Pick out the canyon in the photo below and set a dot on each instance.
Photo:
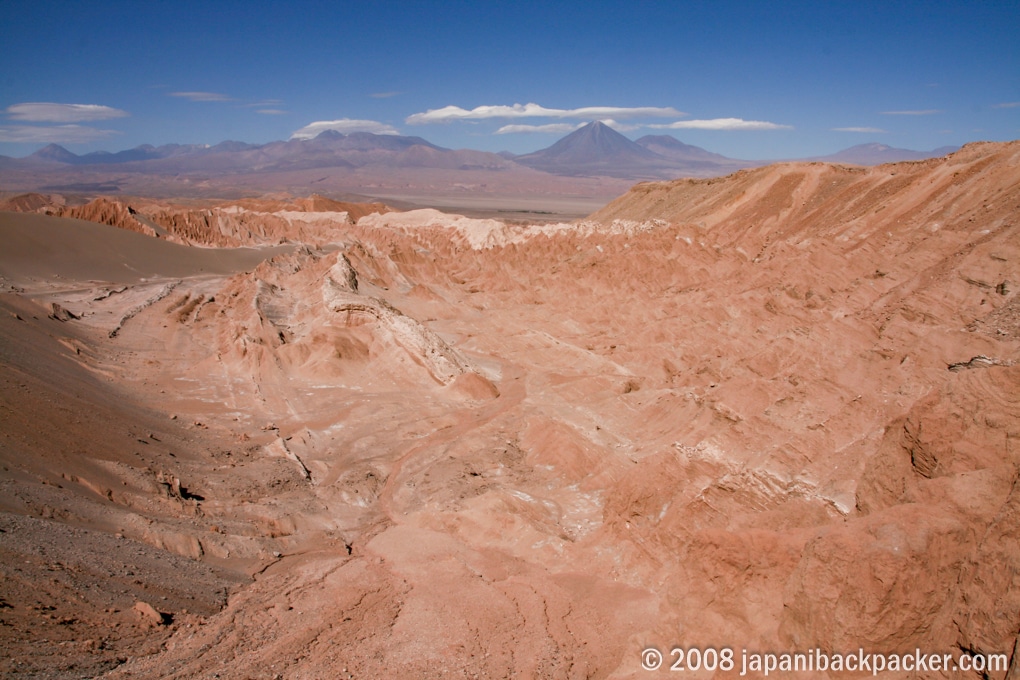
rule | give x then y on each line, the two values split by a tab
280	437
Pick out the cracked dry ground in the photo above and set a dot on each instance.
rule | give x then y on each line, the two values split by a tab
400	456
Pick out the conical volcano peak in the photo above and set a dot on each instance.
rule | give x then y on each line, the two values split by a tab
599	133
595	143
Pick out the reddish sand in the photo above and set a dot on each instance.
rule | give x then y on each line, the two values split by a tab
774	411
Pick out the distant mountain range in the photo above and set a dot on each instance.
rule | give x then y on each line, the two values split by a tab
328	150
595	150
598	150
876	154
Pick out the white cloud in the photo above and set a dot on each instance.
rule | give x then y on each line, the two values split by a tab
920	112
271	112
562	128
202	96
451	113
621	127
1007	105
557	128
877	131
722	124
48	112
384	95
344	125
54	134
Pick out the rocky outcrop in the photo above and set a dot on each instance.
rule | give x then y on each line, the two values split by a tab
340	295
341	280
314	220
108	211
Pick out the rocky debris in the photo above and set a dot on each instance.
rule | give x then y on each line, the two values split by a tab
68	597
1001	323
170	484
163	291
280	447
149	614
59	313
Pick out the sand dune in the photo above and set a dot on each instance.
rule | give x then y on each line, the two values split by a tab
40	248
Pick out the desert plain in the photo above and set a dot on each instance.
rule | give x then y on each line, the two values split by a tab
306	438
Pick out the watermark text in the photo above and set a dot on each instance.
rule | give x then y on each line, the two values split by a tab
727	660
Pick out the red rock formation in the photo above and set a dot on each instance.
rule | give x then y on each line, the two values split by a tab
108	211
773	411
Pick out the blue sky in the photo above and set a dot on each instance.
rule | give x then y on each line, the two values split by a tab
749	80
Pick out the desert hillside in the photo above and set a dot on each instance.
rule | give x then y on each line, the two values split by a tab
778	410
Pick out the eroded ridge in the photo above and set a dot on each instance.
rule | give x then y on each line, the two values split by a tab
777	410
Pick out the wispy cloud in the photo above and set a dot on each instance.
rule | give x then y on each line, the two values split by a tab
384	95
556	128
452	113
621	127
54	134
267	107
870	130
202	96
918	112
49	112
1007	105
711	124
344	125
721	124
